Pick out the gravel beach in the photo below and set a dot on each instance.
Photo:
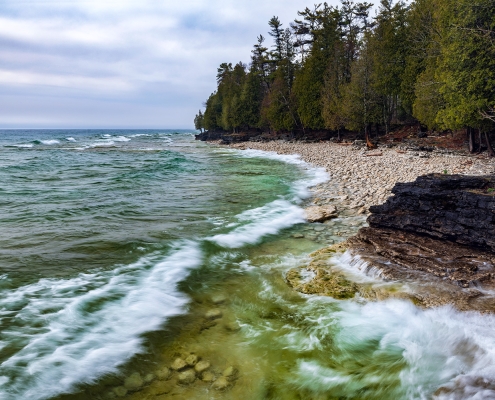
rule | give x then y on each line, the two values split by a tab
362	178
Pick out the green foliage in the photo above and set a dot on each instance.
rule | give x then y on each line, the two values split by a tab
336	68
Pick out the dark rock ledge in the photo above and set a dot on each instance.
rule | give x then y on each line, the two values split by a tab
438	235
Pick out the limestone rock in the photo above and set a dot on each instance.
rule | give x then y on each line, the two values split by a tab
221	383
214	314
320	213
192	360
163	373
202	366
207	377
133	382
179	364
186	377
120	391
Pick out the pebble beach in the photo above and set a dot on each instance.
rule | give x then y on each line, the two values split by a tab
360	178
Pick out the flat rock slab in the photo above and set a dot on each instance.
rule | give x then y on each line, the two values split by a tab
320	213
448	272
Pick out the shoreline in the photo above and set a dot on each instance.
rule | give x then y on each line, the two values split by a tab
360	178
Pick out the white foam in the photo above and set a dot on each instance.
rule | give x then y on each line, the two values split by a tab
357	267
121	139
49	142
262	221
21	146
84	327
70	139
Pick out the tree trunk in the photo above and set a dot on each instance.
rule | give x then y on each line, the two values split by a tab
491	153
472	143
367	137
479	140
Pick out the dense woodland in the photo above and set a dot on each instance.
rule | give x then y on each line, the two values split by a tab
430	62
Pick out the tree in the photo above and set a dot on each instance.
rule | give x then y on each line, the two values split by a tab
199	121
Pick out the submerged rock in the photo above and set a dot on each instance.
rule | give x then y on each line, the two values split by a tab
207	377
214	314
191	360
320	213
134	381
186	377
179	364
120	391
202	366
221	383
163	373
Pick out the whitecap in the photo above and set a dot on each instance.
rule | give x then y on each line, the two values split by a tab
121	139
49	142
82	328
21	146
260	222
70	139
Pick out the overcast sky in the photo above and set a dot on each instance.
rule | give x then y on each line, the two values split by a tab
122	63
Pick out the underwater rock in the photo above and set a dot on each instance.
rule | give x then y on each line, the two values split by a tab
191	360
133	382
202	366
218	298
186	377
221	383
320	213
232	326
149	378
179	364
230	373
163	373
207	377
120	391
214	314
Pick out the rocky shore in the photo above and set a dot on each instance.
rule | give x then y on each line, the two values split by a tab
360	178
434	234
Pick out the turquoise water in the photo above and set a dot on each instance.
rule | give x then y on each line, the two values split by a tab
116	245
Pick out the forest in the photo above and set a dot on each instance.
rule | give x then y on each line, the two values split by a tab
339	69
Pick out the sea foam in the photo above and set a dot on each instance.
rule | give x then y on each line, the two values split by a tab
85	327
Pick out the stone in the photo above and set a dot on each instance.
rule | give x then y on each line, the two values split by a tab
149	378
320	213
192	360
186	377
160	388
214	314
163	373
202	366
218	298
298	236
221	383
120	391
232	326
319	228
179	364
134	381
207	377
230	372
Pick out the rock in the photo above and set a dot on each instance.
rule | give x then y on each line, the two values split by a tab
133	382
320	213
230	372
202	366
214	314
163	373
319	228
232	326
363	210
456	208
161	387
179	364
120	391
207	377
192	360
221	383
149	378
218	299
186	377
298	236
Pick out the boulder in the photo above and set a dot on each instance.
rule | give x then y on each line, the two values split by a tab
320	213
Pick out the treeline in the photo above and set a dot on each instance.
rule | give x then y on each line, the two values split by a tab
338	68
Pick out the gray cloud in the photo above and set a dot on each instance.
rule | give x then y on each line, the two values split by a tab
121	64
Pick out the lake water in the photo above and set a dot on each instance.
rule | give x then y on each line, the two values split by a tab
122	251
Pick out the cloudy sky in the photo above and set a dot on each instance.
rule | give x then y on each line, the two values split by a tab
122	63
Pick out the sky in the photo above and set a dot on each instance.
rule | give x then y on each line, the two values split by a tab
122	63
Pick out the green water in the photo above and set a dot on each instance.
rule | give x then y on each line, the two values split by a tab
123	251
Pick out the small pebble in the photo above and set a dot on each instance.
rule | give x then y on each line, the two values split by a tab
202	366
186	377
221	383
207	377
192	360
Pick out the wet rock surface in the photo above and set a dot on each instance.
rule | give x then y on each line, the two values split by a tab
456	208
